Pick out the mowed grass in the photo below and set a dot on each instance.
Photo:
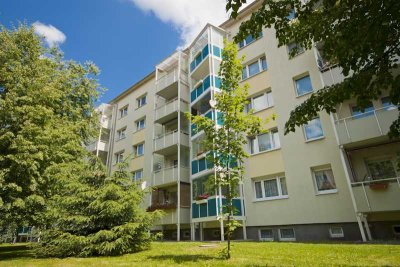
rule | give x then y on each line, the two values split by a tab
243	254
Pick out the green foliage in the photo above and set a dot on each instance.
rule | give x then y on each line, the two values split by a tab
97	215
228	140
360	36
46	107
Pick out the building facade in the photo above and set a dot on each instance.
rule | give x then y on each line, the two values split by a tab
335	178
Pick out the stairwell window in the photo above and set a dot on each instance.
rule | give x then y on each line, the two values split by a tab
140	124
260	102
303	85
141	101
249	39
254	68
123	112
313	130
270	189
264	142
121	134
324	181
139	150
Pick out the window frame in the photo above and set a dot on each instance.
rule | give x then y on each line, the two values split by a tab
314	138
117	156
245	43
134	173
250	106
253	142
123	112
287	238
323	192
279	187
259	60
268	238
136	147
138	128
300	49
120	132
140	102
333	235
295	79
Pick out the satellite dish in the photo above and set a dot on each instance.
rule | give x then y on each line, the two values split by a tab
213	103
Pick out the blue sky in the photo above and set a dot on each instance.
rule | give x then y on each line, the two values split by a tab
124	38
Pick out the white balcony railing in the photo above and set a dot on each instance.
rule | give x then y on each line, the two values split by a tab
170	107
365	126
171	138
171	78
170	175
98	145
377	195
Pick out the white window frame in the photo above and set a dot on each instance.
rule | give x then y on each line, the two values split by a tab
138	124
323	192
336	235
140	102
279	185
300	49
121	133
123	112
263	94
315	138
254	39
259	60
287	238
119	157
295	79
271	139
136	147
265	239
135	174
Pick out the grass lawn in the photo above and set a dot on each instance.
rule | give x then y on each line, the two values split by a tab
244	254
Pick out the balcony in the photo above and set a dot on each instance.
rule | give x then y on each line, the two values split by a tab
378	195
170	175
202	88
166	144
366	126
171	217
209	114
209	209
167	85
169	110
98	146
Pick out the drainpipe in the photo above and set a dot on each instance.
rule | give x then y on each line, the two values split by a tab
178	225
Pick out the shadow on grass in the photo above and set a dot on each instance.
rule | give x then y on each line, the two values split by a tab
183	258
17	251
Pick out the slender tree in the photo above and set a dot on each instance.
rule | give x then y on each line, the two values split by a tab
227	141
46	107
360	36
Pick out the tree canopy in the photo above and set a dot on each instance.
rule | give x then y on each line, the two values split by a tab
360	36
46	114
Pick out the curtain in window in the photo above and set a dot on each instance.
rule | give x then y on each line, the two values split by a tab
257	186
264	142
271	188
260	102
325	180
254	68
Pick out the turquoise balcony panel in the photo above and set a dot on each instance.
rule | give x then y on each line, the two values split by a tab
216	51
193	129
217	82
193	96
201	165
203	210
237	204
209	115
203	54
195	167
212	207
195	210
207	82
220	118
204	85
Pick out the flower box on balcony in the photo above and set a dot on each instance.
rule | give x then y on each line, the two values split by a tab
165	206
378	186
201	199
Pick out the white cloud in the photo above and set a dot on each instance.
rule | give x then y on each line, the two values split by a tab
51	34
188	16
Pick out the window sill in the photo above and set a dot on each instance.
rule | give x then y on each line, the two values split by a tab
265	151
254	75
123	117
140	106
305	94
326	192
260	110
315	139
120	139
270	198
139	130
139	156
287	239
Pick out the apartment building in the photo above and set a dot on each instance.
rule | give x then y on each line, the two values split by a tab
335	178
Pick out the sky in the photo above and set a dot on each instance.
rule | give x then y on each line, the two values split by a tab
124	38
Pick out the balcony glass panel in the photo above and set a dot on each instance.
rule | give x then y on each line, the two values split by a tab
202	87
203	54
216	51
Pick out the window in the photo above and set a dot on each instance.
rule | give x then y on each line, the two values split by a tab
382	168
139	150
324	181
266	235
291	15
292	46
137	175
387	103
303	85
357	112
142	101
121	134
260	102
271	188
336	232
254	68
249	39
123	112
313	130
140	124
264	142
287	234
119	157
